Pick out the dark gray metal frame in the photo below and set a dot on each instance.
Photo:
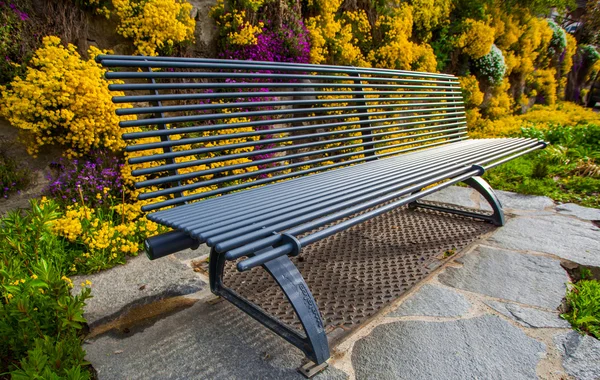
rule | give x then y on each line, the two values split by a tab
380	192
314	343
483	188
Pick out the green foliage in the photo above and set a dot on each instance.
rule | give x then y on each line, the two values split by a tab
583	300
564	171
40	321
558	43
14	44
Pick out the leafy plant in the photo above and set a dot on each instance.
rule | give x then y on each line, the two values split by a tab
583	300
40	321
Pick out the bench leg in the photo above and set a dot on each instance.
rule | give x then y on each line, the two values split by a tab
314	344
483	188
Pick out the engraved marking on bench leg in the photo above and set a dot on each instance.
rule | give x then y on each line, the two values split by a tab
295	289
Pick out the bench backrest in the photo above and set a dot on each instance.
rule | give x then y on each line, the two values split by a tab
205	127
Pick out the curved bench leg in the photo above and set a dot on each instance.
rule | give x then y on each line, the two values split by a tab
483	188
314	344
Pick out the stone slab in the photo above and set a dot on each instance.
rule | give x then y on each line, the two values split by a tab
478	348
581	355
565	237
140	282
529	279
529	317
467	197
585	213
201	342
516	201
433	301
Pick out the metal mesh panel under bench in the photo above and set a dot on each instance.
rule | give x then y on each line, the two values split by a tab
357	272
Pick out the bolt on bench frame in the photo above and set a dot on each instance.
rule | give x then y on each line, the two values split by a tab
375	139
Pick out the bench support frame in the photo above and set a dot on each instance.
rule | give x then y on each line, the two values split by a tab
314	344
483	188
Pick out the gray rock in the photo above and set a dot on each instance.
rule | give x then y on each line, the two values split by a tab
467	197
529	317
516	201
478	348
140	282
534	280
433	301
562	236
581	212
581	355
201	342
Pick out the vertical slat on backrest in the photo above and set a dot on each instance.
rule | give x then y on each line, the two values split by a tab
163	126
364	116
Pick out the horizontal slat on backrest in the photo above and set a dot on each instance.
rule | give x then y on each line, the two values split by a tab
197	127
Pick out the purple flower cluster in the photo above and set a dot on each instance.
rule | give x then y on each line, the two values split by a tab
20	14
95	180
274	45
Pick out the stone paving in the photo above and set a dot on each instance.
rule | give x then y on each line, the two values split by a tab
490	313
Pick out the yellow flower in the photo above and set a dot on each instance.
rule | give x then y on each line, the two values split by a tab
67	280
34	276
50	103
155	25
9	296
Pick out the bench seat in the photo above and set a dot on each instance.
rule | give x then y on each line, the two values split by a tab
244	223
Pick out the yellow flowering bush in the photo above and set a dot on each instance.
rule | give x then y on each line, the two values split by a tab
470	91
156	26
234	25
63	100
477	38
430	14
543	82
347	37
103	238
543	117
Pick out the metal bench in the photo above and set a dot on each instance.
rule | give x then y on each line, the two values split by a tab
373	140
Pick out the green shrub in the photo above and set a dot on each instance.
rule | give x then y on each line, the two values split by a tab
583	299
15	44
40	321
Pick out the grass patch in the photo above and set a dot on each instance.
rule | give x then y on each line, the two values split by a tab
583	302
567	171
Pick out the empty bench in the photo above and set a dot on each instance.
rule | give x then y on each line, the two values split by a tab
225	149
